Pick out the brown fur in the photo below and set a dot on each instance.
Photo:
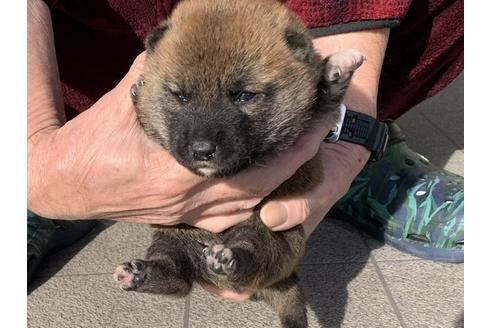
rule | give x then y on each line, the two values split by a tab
196	61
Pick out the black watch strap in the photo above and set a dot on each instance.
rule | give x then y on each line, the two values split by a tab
363	130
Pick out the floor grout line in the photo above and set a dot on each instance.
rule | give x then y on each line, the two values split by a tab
186	316
301	264
389	295
62	275
386	288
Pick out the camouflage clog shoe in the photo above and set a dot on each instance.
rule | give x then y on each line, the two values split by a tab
405	201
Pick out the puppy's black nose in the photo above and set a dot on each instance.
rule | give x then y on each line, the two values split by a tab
203	150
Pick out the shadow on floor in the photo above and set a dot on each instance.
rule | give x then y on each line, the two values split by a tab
58	259
329	299
326	283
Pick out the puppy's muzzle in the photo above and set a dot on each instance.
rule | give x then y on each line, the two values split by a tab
203	150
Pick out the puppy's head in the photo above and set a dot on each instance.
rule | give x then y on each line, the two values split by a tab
227	83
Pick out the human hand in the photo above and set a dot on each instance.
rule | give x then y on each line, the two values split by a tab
102	165
341	163
228	294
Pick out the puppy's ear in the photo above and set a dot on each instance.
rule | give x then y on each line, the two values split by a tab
154	36
300	44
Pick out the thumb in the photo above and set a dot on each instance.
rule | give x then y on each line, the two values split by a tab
284	214
132	75
121	92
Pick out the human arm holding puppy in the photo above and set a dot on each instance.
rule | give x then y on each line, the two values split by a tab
102	165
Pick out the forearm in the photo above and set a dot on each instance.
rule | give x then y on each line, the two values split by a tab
44	97
362	93
44	101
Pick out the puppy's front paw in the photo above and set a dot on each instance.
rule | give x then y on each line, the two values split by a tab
341	65
220	260
134	90
130	275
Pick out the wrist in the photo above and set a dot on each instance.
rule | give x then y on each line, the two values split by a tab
361	129
38	186
45	196
342	162
35	167
351	158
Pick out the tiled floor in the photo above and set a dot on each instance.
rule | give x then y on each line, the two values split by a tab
350	279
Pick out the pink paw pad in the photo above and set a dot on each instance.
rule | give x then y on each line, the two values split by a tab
122	276
130	275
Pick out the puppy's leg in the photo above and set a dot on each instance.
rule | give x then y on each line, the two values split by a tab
165	271
155	276
339	69
252	256
287	299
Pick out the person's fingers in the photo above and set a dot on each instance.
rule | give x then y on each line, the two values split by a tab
220	223
228	294
309	208
143	219
284	214
225	207
259	183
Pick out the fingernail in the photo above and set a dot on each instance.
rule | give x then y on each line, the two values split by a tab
274	215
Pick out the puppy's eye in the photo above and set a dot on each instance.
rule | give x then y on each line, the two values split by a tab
181	97
245	96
